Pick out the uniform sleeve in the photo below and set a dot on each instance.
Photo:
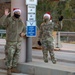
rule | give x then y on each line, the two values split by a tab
4	21
24	29
40	32
57	24
54	25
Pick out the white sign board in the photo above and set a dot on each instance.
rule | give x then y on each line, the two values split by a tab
31	23
32	17
31	9
28	2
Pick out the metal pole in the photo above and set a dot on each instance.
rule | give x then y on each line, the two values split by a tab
29	49
58	43
22	5
28	45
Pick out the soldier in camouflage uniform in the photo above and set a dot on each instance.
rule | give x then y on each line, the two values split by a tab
46	38
15	30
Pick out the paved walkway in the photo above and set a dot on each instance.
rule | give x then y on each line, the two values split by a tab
66	56
2	42
68	47
67	52
3	72
63	56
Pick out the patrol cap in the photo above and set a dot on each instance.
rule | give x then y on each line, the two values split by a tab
16	10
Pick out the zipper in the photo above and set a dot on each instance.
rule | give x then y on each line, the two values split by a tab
17	30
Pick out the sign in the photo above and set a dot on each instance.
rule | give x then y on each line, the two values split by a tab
31	31
28	2
31	9
31	28
31	23
32	16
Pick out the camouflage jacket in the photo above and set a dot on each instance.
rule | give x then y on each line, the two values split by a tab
46	30
13	28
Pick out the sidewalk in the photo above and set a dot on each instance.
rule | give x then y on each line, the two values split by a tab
2	42
65	62
66	53
3	72
68	47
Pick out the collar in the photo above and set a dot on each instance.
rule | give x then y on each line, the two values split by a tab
19	19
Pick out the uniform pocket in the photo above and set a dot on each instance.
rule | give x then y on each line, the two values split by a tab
6	50
50	39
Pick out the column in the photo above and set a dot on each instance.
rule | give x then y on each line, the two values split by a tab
21	4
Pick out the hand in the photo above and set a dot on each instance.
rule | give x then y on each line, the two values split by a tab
39	43
22	34
7	12
57	23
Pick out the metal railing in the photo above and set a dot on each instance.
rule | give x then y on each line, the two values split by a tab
67	33
2	32
67	36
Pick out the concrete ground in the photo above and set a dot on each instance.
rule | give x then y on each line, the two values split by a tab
65	61
2	56
3	72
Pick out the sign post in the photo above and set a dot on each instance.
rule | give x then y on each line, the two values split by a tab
31	28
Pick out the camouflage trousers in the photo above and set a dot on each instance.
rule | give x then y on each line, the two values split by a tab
48	46
12	50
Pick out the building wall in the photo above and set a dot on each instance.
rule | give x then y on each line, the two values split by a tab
3	6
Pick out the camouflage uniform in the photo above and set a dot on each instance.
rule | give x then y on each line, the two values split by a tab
14	27
46	39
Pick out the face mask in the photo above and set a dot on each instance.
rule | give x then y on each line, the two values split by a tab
45	20
16	15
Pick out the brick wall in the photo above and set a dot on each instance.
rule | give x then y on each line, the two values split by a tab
3	6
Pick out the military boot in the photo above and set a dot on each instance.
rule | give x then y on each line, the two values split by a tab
46	60
15	70
45	57
9	71
53	61
53	58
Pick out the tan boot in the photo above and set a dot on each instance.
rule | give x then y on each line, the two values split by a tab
9	71
15	70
